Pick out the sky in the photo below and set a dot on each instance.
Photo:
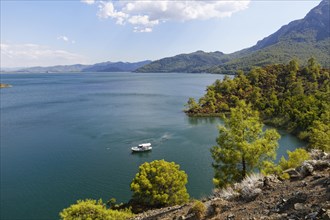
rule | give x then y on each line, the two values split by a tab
64	32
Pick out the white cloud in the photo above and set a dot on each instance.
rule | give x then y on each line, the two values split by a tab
144	15
107	9
27	55
89	2
142	30
66	39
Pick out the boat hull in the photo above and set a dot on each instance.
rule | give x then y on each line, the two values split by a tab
137	149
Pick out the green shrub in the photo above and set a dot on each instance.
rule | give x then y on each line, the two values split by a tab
295	159
160	183
285	176
198	209
320	134
270	167
91	209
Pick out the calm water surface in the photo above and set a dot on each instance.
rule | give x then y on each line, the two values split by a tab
66	137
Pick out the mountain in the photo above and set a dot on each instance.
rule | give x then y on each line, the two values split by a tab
314	27
115	67
300	39
98	67
54	69
198	61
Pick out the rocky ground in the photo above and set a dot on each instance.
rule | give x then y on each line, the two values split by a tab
305	196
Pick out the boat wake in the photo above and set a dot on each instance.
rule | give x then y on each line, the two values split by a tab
165	137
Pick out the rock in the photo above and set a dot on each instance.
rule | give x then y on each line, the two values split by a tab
270	181
182	217
319	164
285	205
306	169
299	206
312	215
303	184
326	215
293	173
230	216
319	155
317	176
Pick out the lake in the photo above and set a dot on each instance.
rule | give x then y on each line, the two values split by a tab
66	137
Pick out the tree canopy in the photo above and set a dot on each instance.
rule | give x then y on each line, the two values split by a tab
160	183
243	146
288	96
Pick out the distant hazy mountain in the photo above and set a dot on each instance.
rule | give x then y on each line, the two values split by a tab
300	39
115	67
98	67
54	69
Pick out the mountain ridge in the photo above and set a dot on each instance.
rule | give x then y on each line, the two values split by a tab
98	67
300	39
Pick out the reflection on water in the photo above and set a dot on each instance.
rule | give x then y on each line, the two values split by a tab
145	154
203	120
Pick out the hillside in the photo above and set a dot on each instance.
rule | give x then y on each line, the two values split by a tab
300	39
198	61
115	67
305	196
98	67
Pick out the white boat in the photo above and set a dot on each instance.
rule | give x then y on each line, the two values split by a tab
142	147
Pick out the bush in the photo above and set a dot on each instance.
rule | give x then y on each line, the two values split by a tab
160	183
251	186
270	167
91	209
295	159
198	209
248	189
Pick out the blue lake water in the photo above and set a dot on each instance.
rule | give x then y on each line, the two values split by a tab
66	137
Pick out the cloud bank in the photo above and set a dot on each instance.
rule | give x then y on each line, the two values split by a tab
28	55
144	15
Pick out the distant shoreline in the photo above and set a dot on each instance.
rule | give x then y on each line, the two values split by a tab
3	85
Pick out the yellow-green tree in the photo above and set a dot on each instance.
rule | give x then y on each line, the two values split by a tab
243	146
295	159
91	209
320	132
160	183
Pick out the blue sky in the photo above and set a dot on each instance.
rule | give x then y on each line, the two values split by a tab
44	33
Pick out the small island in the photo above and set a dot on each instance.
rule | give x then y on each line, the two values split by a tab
3	85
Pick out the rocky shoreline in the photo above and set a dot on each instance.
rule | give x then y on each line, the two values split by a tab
305	196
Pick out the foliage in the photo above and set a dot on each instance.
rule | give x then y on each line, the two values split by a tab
111	202
295	159
160	183
199	209
198	61
320	133
243	146
269	167
91	209
288	96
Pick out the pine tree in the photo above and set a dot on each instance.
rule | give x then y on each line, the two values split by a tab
243	146
160	183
